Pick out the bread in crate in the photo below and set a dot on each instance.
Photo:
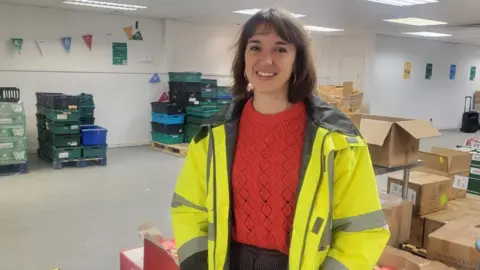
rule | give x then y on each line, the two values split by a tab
345	97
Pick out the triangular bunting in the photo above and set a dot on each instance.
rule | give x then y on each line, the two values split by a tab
129	32
18	44
137	36
67	43
88	39
163	98
41	46
155	78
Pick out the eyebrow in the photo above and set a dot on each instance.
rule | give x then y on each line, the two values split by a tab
280	42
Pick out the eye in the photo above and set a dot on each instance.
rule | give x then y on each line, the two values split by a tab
254	48
281	50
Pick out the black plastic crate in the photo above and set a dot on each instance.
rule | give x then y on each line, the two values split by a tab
185	86
57	101
168	128
9	94
87	120
184	98
167	108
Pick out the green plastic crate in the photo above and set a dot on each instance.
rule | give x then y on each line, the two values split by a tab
195	120
13	156
8	131
9	108
85	100
40	109
167	138
203	111
14	143
14	118
87	121
87	111
62	115
62	128
41	131
94	151
185	77
60	140
62	152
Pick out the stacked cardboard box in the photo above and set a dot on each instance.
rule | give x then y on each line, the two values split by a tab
393	258
398	214
345	97
474	177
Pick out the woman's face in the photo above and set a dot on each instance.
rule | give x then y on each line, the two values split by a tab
269	60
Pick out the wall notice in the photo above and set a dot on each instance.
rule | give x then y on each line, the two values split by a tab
473	73
407	70
119	53
429	71
453	72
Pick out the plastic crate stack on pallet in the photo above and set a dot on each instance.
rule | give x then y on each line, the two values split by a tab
13	137
87	109
59	131
167	123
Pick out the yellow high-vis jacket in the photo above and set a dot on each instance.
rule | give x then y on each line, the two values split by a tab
338	223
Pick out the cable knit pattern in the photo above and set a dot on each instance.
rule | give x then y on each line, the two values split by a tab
265	175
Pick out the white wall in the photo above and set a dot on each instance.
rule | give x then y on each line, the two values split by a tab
439	98
122	93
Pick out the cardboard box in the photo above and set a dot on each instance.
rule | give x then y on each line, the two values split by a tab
451	163
454	244
355	118
474	178
401	260
427	192
398	214
416	231
394	141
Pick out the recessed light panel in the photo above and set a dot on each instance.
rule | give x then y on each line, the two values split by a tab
415	21
255	10
401	3
100	4
321	29
428	34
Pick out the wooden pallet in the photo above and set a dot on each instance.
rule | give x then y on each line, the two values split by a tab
179	150
13	169
77	162
421	252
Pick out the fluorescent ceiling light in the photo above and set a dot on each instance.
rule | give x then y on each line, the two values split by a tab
428	34
321	29
415	21
255	10
401	3
99	4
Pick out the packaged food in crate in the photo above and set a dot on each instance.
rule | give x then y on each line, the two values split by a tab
345	97
473	142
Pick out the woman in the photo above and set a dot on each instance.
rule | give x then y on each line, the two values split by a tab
279	180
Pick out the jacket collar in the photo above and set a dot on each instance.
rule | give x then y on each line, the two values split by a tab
319	112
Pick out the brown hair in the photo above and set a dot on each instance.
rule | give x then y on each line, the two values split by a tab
289	29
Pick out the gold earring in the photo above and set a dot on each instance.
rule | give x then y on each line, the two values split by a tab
294	78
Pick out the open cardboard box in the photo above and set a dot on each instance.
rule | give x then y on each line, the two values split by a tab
394	141
397	259
157	253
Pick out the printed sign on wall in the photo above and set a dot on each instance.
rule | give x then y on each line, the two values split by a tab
407	70
119	53
473	73
453	72
429	71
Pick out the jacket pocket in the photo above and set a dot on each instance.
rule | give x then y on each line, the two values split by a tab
326	239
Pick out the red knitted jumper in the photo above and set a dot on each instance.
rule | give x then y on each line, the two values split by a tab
265	175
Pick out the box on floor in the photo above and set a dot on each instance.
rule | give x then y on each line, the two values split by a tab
398	214
454	244
450	163
156	254
474	178
398	259
394	141
427	192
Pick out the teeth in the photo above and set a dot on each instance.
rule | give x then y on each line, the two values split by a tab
264	74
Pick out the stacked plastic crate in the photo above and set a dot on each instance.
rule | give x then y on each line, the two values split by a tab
13	138
58	125
87	109
197	113
167	123
224	95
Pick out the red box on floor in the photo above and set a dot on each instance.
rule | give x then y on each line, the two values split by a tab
157	253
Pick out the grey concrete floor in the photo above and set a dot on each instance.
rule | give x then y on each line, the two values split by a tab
80	218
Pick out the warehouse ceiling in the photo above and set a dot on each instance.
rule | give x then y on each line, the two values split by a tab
354	16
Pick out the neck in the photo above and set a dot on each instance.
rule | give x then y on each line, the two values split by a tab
271	103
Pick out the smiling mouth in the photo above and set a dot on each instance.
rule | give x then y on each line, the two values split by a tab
266	74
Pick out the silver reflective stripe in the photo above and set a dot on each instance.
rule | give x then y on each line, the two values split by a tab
192	247
327	232
352	140
331	263
317	225
209	156
211	232
369	221
178	201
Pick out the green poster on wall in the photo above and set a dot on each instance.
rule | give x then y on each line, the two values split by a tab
429	71
473	73
119	53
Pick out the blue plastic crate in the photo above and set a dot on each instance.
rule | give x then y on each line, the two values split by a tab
93	135
168	119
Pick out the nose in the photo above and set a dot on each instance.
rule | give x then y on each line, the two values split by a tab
266	58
